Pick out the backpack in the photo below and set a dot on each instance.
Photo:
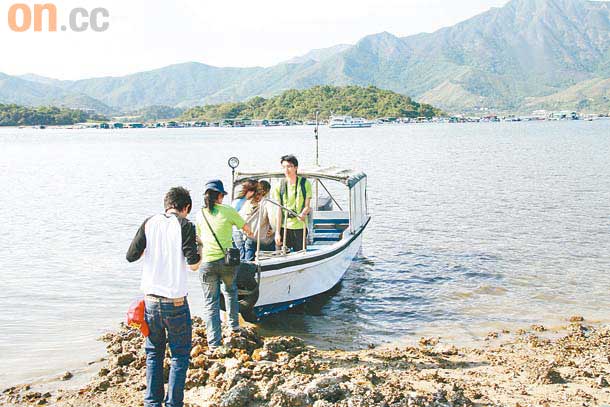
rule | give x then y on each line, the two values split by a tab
284	191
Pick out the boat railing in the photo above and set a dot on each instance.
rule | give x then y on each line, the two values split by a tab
284	212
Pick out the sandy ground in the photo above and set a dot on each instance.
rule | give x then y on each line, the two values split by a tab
568	366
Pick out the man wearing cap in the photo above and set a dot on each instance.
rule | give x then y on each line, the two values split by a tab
215	223
294	193
167	243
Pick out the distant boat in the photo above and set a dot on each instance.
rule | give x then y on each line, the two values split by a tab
347	122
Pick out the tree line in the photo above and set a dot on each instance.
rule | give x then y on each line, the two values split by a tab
15	115
368	102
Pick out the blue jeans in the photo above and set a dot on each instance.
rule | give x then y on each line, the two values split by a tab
239	243
250	248
213	275
167	323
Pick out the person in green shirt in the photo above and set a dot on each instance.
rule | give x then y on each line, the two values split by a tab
214	274
293	192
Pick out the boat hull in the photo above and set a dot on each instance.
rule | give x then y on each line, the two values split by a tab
287	287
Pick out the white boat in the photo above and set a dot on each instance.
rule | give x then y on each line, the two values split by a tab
285	280
347	122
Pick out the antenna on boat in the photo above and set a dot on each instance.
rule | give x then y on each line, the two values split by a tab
233	163
315	132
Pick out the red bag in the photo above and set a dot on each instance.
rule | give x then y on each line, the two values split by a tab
135	316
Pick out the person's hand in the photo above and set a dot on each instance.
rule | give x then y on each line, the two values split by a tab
278	239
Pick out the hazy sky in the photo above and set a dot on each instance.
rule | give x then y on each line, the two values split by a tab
148	34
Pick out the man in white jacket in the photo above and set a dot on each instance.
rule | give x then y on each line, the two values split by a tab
167	243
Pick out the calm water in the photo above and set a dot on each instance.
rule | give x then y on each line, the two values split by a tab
475	226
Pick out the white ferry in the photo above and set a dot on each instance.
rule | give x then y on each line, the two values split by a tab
348	122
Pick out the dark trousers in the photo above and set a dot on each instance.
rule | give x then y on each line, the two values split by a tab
294	239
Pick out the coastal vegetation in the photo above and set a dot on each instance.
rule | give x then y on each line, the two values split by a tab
15	115
369	102
156	112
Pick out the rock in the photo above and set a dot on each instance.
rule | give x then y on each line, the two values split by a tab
538	328
448	350
33	395
216	370
116	372
326	388
125	359
428	341
239	396
440	396
67	376
103	385
267	389
231	363
303	364
238	342
290	344
576	318
196	351
244	357
200	362
289	398
263	354
577	329
545	374
222	352
332	393
602	382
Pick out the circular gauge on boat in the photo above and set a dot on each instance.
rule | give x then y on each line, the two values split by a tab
233	162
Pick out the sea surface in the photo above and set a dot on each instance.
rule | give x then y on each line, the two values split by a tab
475	227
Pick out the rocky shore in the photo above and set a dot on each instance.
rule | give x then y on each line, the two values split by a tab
569	366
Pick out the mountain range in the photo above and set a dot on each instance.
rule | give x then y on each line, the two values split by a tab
526	55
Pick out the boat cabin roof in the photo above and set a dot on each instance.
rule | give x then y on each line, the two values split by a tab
345	176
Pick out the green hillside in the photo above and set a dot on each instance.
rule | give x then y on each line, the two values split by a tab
15	115
369	102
